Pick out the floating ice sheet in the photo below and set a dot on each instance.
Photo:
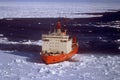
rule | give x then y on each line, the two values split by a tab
45	10
4	40
90	66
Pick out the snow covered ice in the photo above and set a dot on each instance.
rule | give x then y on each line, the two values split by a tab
89	67
4	40
41	10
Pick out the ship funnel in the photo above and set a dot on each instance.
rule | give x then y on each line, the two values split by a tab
58	27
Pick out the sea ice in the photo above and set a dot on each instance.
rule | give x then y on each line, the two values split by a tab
5	40
90	66
40	10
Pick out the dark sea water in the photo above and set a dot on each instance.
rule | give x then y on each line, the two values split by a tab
98	34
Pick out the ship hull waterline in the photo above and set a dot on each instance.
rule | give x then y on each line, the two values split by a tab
60	57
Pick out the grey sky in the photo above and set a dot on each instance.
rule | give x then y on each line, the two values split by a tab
61	0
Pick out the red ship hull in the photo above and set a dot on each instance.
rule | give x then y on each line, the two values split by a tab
48	59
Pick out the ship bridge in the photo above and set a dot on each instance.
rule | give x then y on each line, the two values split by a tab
56	42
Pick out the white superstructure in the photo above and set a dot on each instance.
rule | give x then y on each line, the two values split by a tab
56	42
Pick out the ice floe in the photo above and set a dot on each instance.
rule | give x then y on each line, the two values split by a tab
90	66
41	10
4	40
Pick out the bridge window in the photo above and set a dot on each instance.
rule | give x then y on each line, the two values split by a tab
63	40
45	39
